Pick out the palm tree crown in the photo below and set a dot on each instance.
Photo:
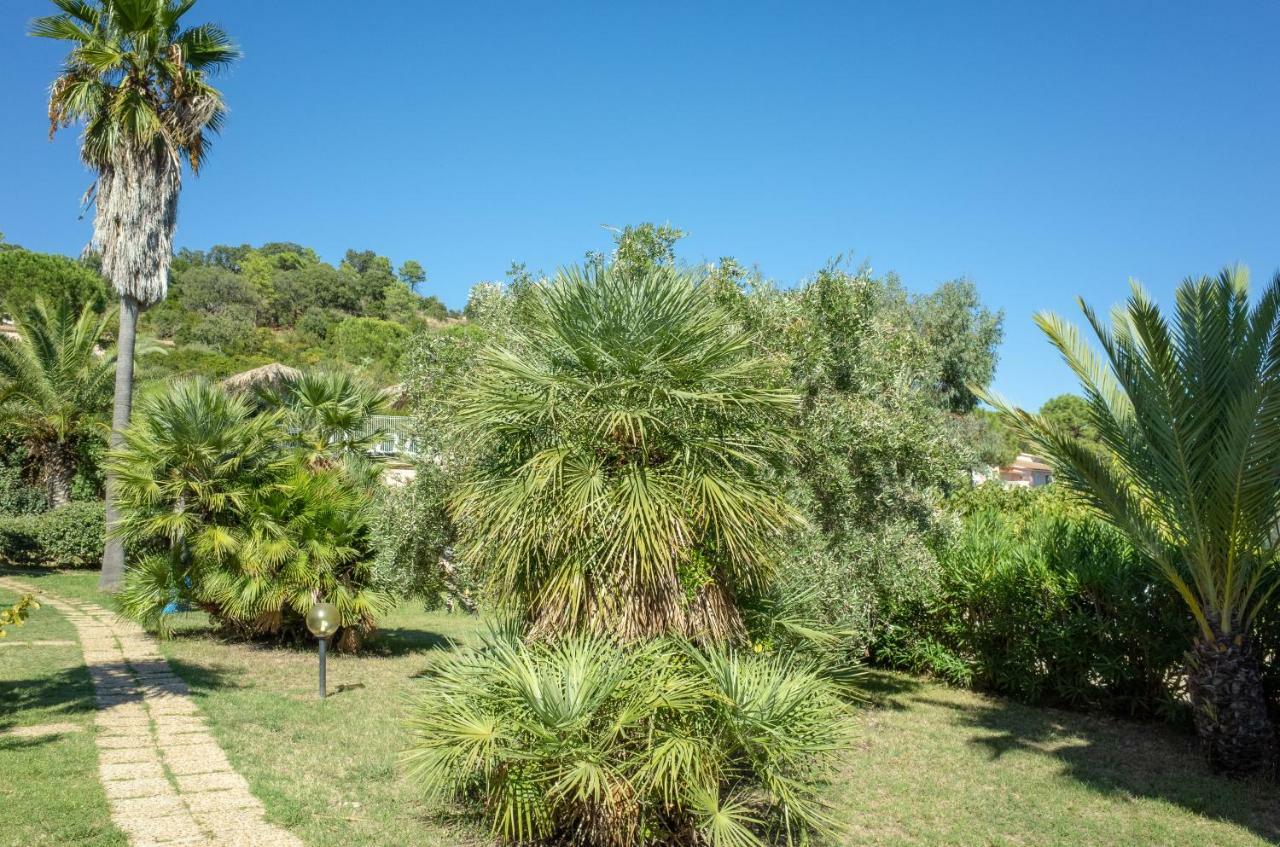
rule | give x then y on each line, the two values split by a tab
55	383
137	80
626	437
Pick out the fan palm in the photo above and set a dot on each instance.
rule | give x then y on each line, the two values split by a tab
136	78
327	414
1188	417
55	386
239	525
627	440
585	742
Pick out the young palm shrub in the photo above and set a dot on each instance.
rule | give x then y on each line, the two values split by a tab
55	385
228	519
1188	417
587	741
627	440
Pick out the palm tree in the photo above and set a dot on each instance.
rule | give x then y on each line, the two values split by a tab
136	79
1188	418
327	414
626	439
239	524
55	386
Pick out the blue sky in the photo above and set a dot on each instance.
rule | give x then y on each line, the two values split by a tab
1042	150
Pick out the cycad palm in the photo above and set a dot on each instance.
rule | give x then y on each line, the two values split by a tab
55	383
1188	417
627	439
137	80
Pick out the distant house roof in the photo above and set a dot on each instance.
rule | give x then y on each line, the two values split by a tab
266	376
1026	462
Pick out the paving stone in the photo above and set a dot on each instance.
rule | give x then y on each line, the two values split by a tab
179	723
177	741
117	742
124	711
203	761
220	801
124	789
172	706
131	770
125	755
225	781
164	828
149	806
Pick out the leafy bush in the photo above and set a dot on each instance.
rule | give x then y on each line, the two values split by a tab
587	742
415	543
1039	600
17	495
26	276
881	377
229	518
69	536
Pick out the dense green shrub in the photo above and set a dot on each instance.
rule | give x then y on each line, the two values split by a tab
70	536
225	514
26	276
659	743
1040	600
17	495
881	427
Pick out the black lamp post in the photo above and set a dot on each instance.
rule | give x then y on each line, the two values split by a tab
322	620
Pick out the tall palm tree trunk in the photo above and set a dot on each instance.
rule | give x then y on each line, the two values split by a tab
1224	680
113	552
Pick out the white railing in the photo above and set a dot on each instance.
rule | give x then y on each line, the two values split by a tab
394	435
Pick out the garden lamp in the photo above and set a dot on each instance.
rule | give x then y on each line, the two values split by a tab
322	620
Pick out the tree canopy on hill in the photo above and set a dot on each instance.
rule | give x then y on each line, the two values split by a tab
26	276
235	307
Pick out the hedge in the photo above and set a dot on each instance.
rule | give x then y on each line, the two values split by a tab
70	536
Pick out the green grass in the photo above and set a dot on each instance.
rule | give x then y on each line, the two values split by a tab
934	765
49	789
938	765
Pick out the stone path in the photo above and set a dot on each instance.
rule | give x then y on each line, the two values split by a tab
167	780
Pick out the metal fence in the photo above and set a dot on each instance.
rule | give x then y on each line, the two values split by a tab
393	435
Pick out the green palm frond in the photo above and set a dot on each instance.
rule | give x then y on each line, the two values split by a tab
134	77
254	533
55	377
1187	413
630	440
587	741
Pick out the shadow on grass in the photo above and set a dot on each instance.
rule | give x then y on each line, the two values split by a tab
884	689
1125	758
402	641
64	693
201	679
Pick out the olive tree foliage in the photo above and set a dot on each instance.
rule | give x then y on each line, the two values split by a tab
415	531
886	423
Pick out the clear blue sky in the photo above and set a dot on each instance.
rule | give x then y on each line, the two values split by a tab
1043	150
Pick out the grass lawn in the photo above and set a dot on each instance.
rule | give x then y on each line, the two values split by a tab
49	789
934	765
